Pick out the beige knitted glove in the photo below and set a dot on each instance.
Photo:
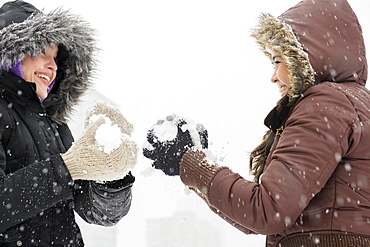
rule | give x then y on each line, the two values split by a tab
85	160
111	112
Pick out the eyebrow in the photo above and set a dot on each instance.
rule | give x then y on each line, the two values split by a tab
276	56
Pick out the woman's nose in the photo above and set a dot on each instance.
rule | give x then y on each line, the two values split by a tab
52	65
274	78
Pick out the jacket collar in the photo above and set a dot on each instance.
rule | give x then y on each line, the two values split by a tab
275	120
17	90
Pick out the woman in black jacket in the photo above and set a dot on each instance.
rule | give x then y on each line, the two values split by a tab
46	61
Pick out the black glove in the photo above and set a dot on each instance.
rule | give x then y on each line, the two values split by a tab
167	154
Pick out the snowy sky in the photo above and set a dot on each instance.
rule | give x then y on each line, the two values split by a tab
195	58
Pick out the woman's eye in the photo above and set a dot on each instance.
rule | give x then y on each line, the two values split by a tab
275	63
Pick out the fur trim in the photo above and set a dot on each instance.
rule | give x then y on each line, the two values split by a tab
272	34
72	34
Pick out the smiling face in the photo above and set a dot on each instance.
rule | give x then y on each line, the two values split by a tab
280	75
41	70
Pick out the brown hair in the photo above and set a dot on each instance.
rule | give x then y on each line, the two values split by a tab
258	156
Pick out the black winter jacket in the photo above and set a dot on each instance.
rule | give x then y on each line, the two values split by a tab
37	195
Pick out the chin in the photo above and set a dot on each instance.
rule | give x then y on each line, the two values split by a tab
283	94
42	96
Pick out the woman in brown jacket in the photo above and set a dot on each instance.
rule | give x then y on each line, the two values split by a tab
312	170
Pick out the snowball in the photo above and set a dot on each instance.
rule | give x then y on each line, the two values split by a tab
166	131
108	136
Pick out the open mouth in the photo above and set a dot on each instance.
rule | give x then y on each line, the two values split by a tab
43	76
283	89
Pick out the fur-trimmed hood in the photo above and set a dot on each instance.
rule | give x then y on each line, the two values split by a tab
319	41
32	31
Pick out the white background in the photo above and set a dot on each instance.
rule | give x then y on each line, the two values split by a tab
194	58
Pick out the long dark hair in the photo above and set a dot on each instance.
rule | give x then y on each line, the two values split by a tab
258	156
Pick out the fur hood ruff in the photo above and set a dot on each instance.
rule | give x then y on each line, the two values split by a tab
274	35
77	46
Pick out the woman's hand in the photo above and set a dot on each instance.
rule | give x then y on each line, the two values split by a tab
168	141
87	160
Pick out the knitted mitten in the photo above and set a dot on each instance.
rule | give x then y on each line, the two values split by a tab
111	112
85	160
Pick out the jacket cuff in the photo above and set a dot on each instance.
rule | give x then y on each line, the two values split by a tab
197	172
117	185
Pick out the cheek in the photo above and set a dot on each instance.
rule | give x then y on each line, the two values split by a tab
27	70
27	75
282	76
282	73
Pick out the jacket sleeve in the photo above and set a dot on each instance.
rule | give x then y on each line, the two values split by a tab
32	189
223	216
199	174
315	138
103	204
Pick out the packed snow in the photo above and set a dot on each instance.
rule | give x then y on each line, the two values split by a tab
108	136
165	130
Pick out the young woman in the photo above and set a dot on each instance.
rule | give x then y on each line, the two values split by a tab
312	170
46	61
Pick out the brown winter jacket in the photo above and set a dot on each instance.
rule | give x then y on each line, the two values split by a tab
315	189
